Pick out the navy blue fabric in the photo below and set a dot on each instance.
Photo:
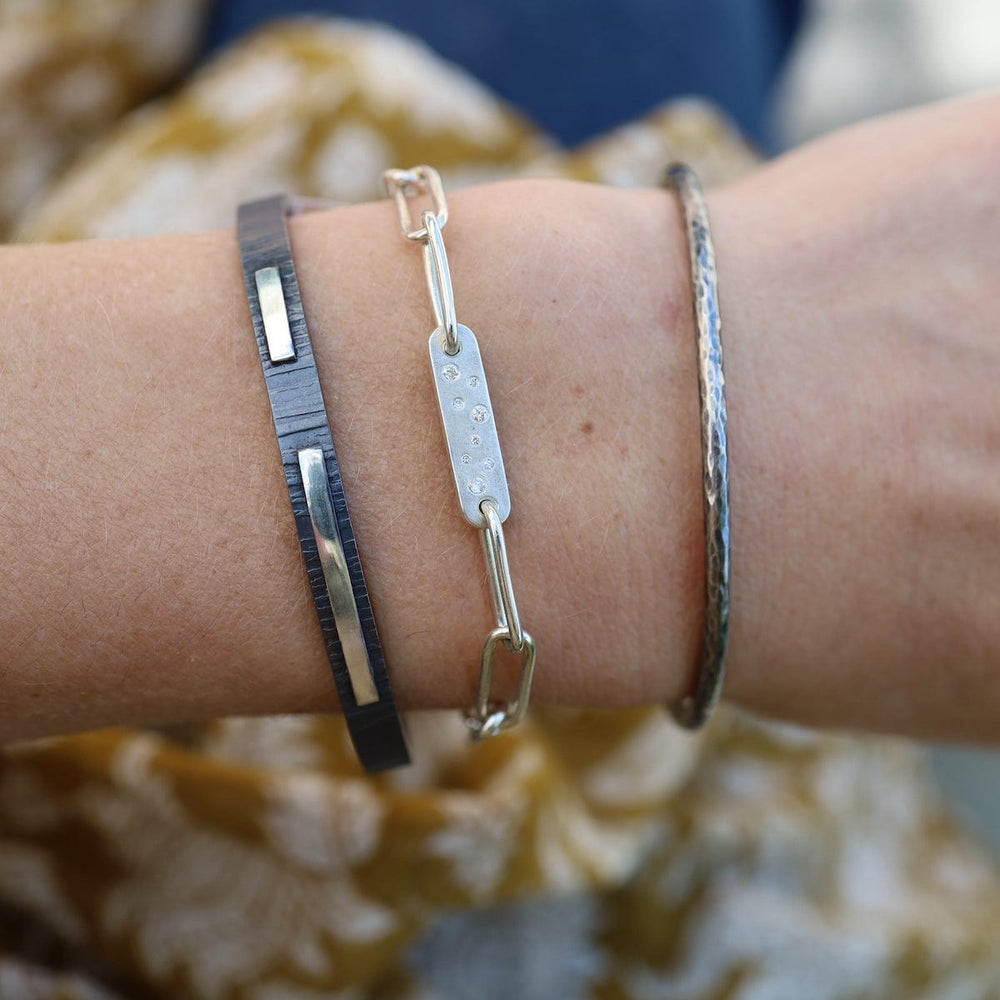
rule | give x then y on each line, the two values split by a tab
580	67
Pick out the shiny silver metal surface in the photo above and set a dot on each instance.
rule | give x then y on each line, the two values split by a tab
694	710
488	718
439	283
336	574
469	426
274	314
498	575
400	184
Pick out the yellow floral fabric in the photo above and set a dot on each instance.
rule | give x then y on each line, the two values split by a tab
602	855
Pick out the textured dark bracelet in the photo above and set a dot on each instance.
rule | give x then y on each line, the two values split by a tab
694	710
315	486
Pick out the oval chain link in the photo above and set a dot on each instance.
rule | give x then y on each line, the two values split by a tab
487	717
401	184
439	283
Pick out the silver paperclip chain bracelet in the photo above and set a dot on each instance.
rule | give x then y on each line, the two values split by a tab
473	446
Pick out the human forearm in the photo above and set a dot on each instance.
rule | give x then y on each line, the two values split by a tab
149	554
860	288
151	558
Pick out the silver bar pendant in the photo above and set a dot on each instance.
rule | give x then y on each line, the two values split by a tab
469	427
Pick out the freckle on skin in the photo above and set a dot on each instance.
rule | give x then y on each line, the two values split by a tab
587	428
578	391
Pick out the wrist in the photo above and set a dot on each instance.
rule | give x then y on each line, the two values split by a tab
580	296
191	600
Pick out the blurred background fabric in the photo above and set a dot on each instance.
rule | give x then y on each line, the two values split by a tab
582	67
858	58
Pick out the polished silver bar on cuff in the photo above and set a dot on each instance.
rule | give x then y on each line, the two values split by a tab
336	575
274	315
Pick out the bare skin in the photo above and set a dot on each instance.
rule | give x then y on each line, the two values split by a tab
149	562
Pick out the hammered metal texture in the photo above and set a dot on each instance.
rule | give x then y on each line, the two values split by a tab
694	710
300	421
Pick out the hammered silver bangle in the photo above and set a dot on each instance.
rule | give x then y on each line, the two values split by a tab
694	709
473	447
